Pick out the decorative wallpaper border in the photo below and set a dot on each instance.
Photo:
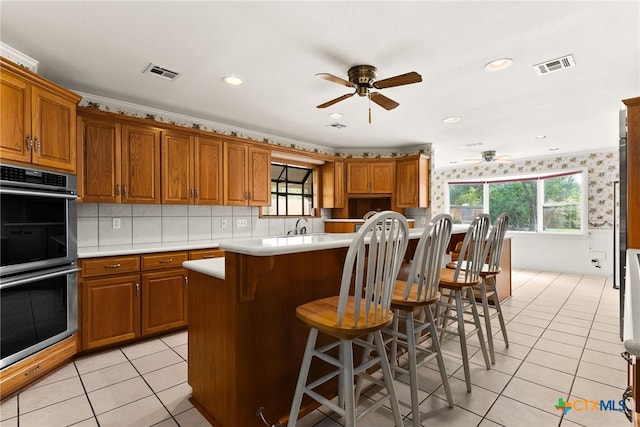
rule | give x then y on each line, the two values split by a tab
603	170
142	112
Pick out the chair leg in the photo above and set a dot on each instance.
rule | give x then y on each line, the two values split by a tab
413	369
436	348
366	354
476	320
463	340
346	383
496	301
302	377
388	378
486	314
445	319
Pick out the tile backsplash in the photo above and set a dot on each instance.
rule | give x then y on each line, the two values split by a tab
171	223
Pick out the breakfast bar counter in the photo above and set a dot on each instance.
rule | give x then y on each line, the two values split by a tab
245	342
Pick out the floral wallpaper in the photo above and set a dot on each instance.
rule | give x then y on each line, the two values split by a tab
602	172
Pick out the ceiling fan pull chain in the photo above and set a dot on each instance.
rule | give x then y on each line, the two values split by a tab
369	108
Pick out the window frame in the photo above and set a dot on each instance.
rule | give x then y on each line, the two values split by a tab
314	189
540	202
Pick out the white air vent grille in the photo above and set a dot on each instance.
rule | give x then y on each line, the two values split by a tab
161	72
555	65
336	125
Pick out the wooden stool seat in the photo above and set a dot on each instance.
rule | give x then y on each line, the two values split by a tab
322	315
448	280
398	301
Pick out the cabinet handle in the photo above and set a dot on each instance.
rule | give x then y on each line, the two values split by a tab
37	148
191	194
117	189
29	142
137	289
165	261
186	282
32	371
112	265
124	190
248	195
195	193
208	256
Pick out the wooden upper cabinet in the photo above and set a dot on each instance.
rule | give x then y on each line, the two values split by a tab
117	163
412	182
247	175
333	194
633	173
177	168
140	164
208	179
38	119
370	177
99	165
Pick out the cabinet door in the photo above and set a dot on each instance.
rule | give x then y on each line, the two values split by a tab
110	310
208	171
235	166
15	118
357	177
333	194
54	130
412	182
259	177
382	177
164	300
177	169
99	160
140	164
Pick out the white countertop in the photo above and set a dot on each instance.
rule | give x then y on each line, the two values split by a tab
113	250
268	246
211	267
356	220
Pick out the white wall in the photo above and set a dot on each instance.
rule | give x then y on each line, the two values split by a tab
564	253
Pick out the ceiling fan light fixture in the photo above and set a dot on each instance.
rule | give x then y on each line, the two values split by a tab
498	64
232	80
452	120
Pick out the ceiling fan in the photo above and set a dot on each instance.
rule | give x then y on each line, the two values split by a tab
490	156
363	78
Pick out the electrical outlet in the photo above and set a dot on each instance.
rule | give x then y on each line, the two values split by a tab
241	223
423	221
115	223
223	223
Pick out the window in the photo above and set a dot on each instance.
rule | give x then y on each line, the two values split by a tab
291	191
549	203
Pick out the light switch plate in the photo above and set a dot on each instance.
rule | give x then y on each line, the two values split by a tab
115	223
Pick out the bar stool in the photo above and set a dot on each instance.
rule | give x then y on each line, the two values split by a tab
458	283
418	294
487	288
370	269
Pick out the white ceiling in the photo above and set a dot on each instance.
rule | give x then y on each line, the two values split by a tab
102	48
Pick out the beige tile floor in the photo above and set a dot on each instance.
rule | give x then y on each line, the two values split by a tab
563	332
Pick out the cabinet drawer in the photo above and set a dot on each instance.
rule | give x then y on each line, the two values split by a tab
163	260
206	254
111	265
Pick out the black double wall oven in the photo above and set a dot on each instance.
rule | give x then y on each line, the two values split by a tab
38	260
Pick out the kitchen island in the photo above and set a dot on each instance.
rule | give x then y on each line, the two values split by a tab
245	341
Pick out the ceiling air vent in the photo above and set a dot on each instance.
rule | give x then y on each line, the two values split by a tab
555	65
336	125
161	72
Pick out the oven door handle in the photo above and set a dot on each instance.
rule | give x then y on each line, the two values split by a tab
37	276
38	193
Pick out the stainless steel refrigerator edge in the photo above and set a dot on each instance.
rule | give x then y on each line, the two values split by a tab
621	256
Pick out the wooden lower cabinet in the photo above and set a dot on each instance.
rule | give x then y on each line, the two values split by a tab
110	311
164	301
125	298
34	367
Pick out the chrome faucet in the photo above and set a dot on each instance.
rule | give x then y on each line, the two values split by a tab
302	230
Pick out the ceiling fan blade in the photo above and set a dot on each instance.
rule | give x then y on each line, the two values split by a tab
403	79
336	79
383	101
335	101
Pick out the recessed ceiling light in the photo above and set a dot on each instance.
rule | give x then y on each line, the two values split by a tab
453	162
498	64
335	115
554	149
540	137
232	80
452	120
